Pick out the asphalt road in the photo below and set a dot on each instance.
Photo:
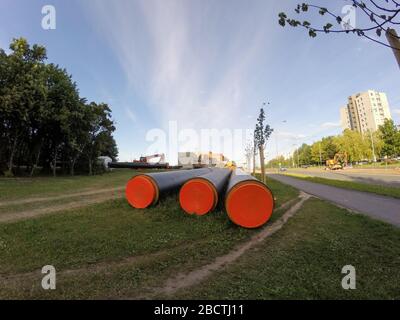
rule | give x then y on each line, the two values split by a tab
375	206
383	178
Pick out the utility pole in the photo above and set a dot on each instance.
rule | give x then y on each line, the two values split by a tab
394	41
373	146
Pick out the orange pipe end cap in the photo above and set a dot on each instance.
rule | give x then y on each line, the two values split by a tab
141	192
250	205
198	196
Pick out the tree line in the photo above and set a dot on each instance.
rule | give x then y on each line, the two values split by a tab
45	126
384	143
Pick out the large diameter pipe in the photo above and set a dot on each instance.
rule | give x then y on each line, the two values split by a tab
145	190
248	202
201	195
137	165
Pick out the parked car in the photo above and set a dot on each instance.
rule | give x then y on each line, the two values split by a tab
282	169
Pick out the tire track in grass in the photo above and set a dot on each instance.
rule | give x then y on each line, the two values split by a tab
10	217
106	267
182	281
21	279
64	196
9	280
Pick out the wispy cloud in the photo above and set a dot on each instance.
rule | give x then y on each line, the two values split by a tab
173	57
329	125
312	132
290	135
130	114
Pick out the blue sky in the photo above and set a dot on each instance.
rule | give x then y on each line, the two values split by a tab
205	64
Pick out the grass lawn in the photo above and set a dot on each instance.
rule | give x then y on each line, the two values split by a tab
304	260
162	239
19	188
378	189
378	165
111	250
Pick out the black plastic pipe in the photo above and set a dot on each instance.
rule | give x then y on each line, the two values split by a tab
249	203
201	195
137	165
144	190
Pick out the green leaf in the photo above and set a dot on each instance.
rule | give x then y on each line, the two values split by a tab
322	11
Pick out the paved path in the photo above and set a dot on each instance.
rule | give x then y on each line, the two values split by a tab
376	206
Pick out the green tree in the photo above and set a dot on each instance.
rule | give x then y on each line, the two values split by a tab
316	153
329	147
280	161
304	154
21	94
100	127
62	118
391	139
43	120
354	144
261	135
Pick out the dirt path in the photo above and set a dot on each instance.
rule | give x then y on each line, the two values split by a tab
182	281
64	196
100	197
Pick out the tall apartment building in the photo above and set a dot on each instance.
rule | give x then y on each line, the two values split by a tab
365	111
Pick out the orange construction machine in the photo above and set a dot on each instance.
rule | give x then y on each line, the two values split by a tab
338	162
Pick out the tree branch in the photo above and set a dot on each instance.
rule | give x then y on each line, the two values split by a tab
374	16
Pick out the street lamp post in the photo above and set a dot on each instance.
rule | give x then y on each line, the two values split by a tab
373	146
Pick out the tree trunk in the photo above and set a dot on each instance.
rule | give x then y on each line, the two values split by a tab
90	167
254	159
254	164
12	154
36	160
55	162
72	166
262	164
